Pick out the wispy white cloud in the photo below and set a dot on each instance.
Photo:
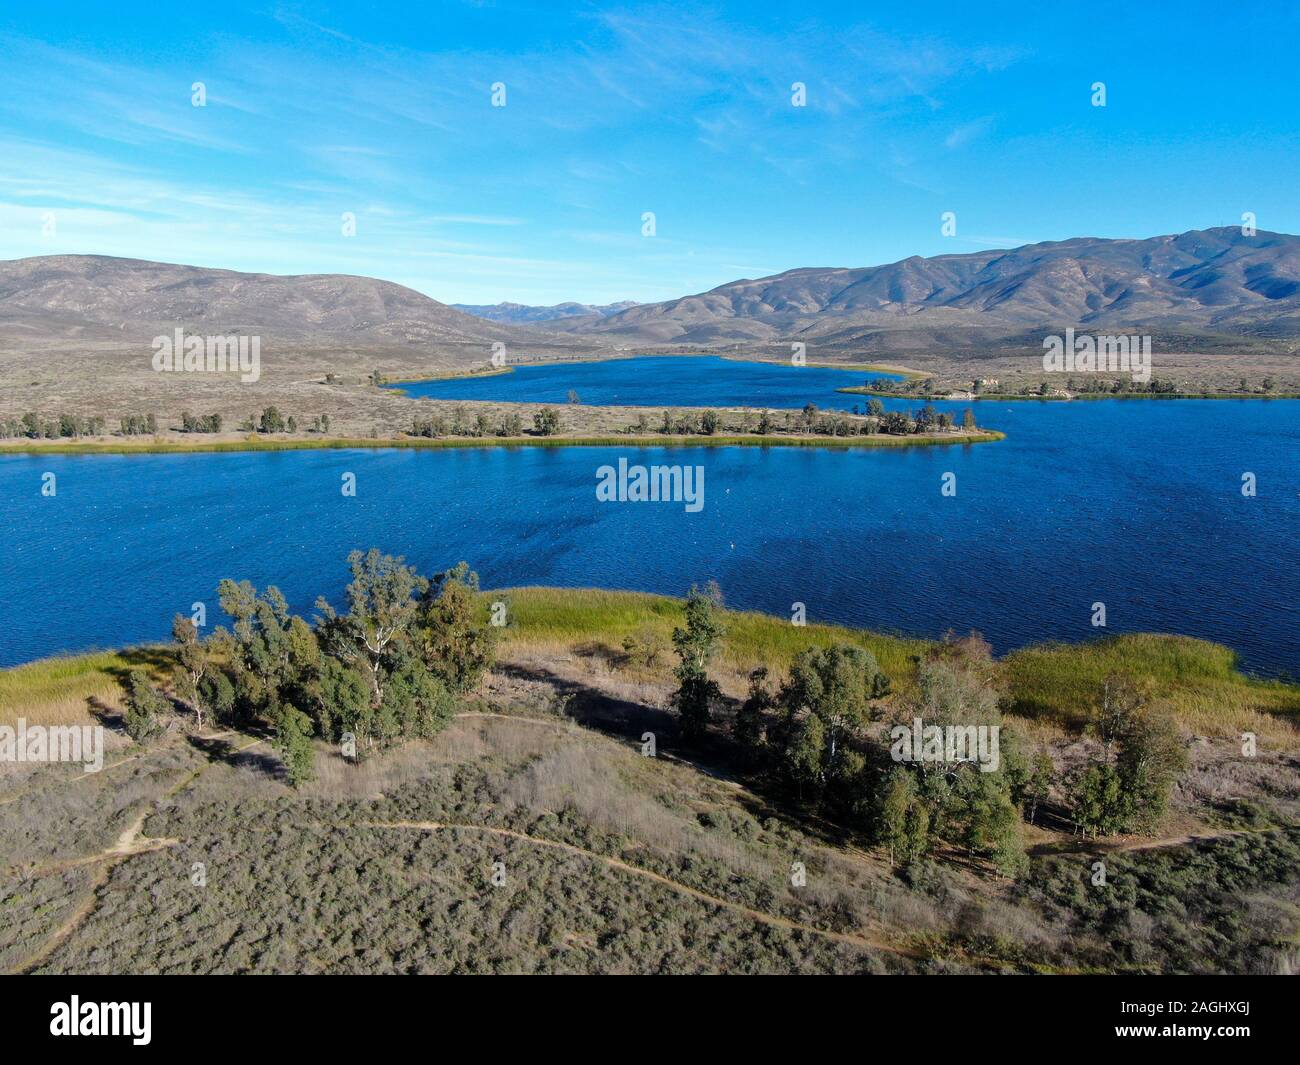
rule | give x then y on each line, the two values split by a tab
633	114
968	132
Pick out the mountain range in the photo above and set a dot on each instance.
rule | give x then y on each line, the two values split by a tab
517	313
1204	283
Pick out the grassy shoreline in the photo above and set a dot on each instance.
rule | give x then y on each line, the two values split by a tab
907	373
165	447
1051	683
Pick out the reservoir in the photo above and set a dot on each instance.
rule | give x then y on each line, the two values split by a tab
1135	504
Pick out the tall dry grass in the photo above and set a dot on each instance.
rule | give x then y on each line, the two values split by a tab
1197	680
64	690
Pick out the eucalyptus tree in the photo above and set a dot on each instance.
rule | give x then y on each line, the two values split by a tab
751	719
696	643
546	422
903	818
192	664
382	607
453	635
971	801
1127	787
836	686
270	649
144	706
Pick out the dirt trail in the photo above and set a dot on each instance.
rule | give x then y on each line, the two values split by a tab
127	845
80	914
862	942
15	796
1181	841
1100	848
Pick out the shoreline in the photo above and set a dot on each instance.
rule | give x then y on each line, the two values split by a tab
450	375
860	390
905	372
496	371
166	447
1062	674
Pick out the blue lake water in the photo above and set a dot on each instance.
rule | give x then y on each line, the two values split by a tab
698	381
1136	504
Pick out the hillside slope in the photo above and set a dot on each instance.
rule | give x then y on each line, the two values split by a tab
98	297
1212	281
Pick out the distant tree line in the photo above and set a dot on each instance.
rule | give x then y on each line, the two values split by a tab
1091	385
1157	386
139	425
37	426
390	666
1163	386
906	386
272	420
209	423
807	422
437	425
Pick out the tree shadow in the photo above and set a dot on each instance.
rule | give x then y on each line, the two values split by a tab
596	651
593	708
155	659
109	716
716	755
227	749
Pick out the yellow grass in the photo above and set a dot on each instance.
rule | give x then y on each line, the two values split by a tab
63	690
566	617
1196	679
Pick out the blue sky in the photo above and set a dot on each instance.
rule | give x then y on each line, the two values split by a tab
612	111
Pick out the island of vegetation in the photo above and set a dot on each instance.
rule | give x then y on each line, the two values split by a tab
489	425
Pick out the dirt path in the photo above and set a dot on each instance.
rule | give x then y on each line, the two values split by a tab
127	845
14	797
861	942
1099	848
1180	841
